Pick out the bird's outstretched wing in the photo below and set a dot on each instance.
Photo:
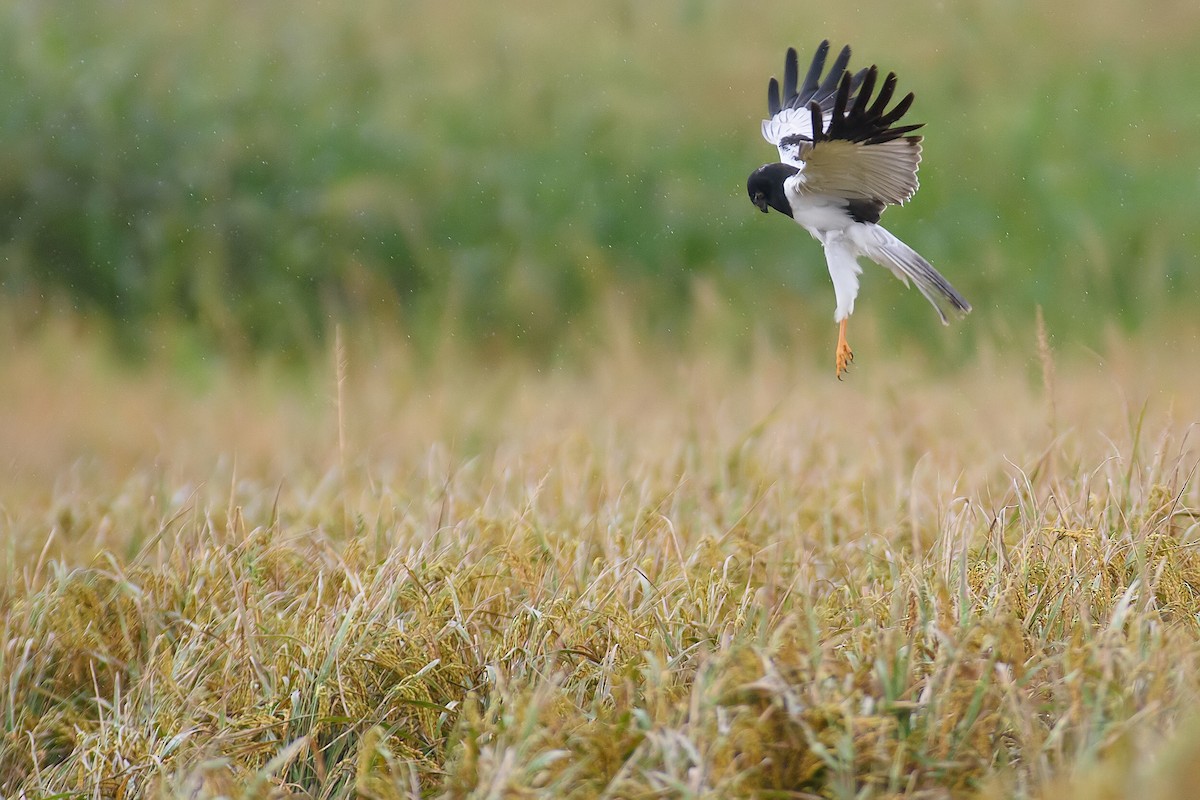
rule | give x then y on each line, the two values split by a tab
843	142
857	151
790	126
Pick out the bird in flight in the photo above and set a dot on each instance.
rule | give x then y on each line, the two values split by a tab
843	160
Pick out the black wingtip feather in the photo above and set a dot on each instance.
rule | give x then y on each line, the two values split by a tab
818	132
867	85
863	120
773	97
884	97
836	71
859	77
812	79
843	97
898	111
791	71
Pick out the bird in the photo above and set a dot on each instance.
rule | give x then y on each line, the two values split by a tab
843	159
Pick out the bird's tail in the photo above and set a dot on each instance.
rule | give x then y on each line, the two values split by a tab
907	264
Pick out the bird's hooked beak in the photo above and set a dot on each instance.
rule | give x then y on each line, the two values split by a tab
760	200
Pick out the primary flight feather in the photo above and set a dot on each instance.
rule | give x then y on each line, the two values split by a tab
842	161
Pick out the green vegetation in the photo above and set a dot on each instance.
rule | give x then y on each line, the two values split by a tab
509	173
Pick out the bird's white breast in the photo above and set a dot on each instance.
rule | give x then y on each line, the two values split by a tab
818	214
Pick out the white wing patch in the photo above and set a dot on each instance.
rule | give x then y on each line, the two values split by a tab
791	131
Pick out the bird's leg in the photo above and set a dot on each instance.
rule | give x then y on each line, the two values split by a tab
844	355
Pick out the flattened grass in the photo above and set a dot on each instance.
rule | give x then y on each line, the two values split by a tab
643	578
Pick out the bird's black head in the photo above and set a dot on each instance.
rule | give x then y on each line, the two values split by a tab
765	187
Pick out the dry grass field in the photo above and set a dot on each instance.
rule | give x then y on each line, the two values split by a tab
647	575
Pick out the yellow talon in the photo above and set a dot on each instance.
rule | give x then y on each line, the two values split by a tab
843	355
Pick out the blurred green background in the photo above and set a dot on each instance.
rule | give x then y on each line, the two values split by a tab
247	174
